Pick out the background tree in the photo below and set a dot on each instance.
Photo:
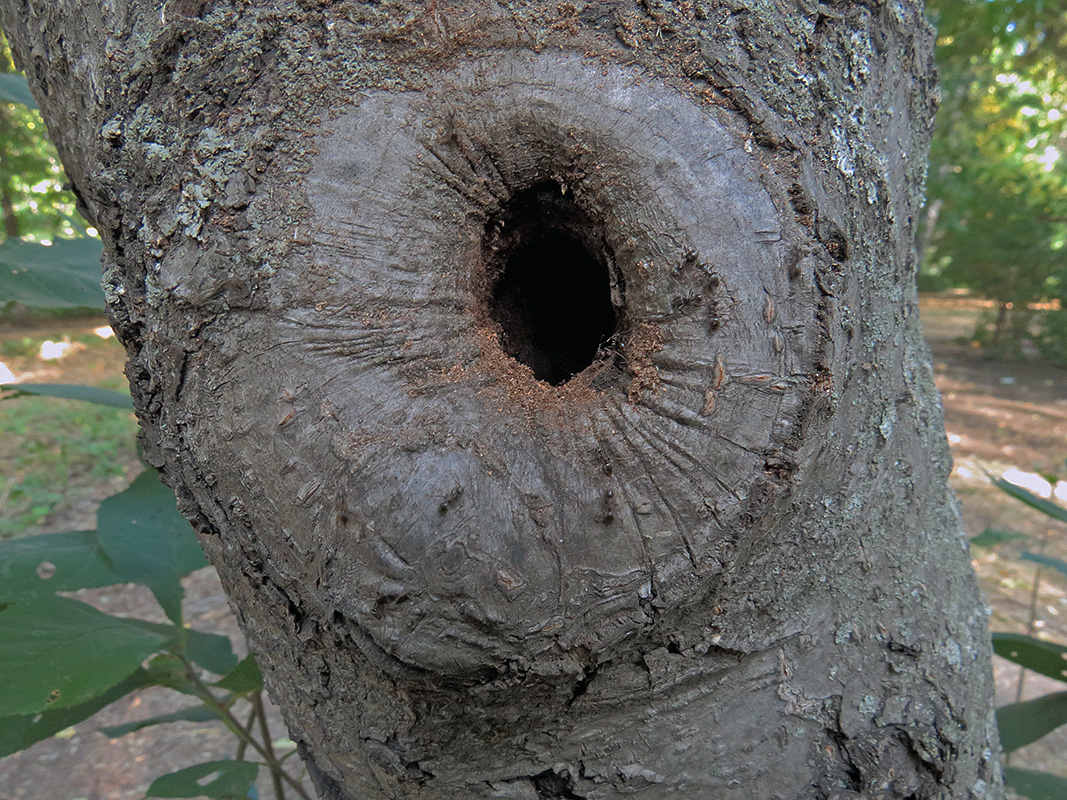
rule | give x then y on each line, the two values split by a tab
36	207
688	538
998	183
33	202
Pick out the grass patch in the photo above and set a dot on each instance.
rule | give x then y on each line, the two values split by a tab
56	453
58	458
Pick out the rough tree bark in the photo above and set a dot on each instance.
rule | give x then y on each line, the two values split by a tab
545	380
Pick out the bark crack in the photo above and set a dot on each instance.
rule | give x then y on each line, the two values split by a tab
582	685
551	785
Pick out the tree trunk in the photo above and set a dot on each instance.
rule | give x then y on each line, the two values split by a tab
545	381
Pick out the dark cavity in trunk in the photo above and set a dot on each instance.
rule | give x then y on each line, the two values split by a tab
551	283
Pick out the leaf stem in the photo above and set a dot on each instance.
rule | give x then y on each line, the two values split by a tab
264	730
1031	627
222	711
242	744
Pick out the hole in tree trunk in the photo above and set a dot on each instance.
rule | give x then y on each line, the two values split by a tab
551	290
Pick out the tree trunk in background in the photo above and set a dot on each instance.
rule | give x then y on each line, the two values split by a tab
710	553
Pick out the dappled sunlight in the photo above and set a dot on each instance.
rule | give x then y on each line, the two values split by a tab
51	351
1028	480
1015	429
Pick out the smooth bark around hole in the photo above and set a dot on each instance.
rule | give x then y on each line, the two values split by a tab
550	290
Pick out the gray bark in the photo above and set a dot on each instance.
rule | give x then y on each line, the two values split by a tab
720	560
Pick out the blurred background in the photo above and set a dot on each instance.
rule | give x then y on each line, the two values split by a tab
993	283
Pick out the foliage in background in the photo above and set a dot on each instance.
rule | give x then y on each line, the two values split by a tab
1024	722
33	201
45	274
62	660
996	217
39	223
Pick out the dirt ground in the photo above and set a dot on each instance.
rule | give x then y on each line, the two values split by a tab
998	415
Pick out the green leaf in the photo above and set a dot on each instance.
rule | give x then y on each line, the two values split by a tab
1046	658
1035	785
65	274
170	671
211	651
1044	506
199	713
1026	722
223	780
73	391
20	731
991	537
246	677
148	541
53	562
1057	564
16	89
56	652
